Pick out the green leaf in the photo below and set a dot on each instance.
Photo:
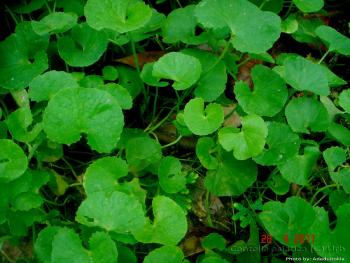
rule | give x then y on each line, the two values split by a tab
183	69
232	178
335	41
214	241
214	259
149	79
83	47
67	247
130	79
298	168
169	254
249	142
180	25
283	219
307	114
303	74
82	110
270	5
110	73
29	7
76	6
342	177
121	94
102	175
119	15
309	6
344	100
253	30
278	184
43	87
141	152
290	24
268	96
103	249
334	156
55	23
169	224
23	52
19	121
338	236
282	143
43	244
202	121
340	133
204	147
171	177
212	82
13	161
338	198
117	212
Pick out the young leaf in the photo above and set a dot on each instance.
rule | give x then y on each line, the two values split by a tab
23	52
202	121
253	30
83	47
298	168
232	177
281	219
204	147
309	6
212	82
303	74
43	87
110	73
334	156
344	100
102	175
117	212
169	225
282	143
337	236
119	15
13	161
269	94
121	94
335	41
314	115
55	23
183	69
180	25
278	184
169	254
214	241
171	178
94	112
19	121
249	142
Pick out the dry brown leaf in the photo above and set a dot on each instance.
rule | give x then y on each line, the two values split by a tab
143	58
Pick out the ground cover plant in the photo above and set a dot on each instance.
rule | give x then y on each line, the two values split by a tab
174	131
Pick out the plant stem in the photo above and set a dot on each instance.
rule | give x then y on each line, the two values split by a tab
172	143
210	222
323	57
320	190
223	53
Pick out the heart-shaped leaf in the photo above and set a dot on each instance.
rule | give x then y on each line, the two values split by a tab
171	178
204	147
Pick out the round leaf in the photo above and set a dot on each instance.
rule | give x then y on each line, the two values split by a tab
83	47
298	169
169	254
249	142
54	23
43	87
282	143
304	114
232	177
334	156
202	121
13	161
303	74
116	212
269	94
183	69
169	225
253	30
171	178
82	110
203	148
281	219
119	15
121	94
344	100
309	6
